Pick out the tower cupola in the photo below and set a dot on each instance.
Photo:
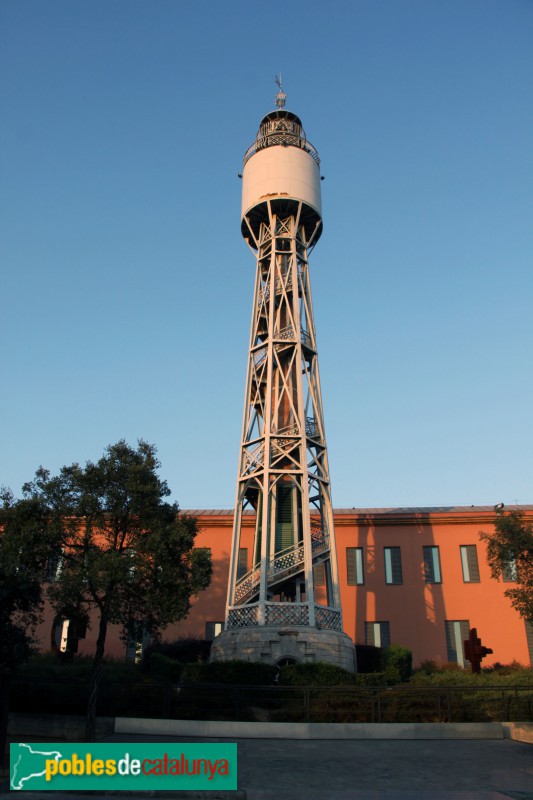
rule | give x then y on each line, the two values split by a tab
281	128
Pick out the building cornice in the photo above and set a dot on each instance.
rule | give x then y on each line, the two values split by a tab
379	517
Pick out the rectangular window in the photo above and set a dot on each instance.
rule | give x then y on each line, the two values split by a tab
432	564
54	566
61	626
529	639
509	571
393	565
242	564
319	574
354	565
136	641
285	516
469	563
377	633
457	631
66	633
212	629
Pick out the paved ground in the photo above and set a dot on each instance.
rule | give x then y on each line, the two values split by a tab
424	767
371	770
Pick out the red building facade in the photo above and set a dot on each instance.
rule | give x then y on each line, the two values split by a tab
417	577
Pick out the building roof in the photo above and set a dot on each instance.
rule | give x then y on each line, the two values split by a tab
214	512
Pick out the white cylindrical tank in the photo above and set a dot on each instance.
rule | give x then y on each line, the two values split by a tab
281	171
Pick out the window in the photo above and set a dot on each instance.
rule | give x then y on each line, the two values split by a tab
242	564
54	566
136	641
377	633
432	564
319	574
393	565
529	638
66	631
60	637
284	516
509	571
469	563
355	566
212	629
457	631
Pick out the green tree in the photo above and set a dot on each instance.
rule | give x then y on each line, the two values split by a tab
127	556
23	559
510	550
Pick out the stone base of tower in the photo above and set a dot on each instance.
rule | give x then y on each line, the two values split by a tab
272	645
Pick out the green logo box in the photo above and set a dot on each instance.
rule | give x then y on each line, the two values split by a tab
122	767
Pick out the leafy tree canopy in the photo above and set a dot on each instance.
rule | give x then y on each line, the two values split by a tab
121	553
24	550
122	549
510	552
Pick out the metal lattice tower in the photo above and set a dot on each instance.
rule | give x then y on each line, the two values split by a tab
283	474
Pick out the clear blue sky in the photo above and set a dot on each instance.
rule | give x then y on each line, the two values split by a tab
126	288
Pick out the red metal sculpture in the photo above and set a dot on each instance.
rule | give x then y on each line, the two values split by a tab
475	651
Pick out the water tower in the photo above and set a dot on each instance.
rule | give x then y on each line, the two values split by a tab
283	601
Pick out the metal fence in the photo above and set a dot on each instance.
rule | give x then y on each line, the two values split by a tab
402	703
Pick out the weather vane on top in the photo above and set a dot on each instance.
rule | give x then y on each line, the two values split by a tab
281	96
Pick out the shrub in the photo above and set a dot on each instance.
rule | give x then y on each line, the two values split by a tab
460	677
397	663
446	677
368	657
427	667
318	674
52	667
371	679
121	672
165	669
507	669
186	651
248	673
451	666
392	676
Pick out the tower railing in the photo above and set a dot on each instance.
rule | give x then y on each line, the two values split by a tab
288	430
285	614
259	356
283	138
328	618
242	616
287	335
285	284
311	428
248	584
285	563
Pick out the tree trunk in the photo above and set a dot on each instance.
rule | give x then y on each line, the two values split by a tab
90	720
